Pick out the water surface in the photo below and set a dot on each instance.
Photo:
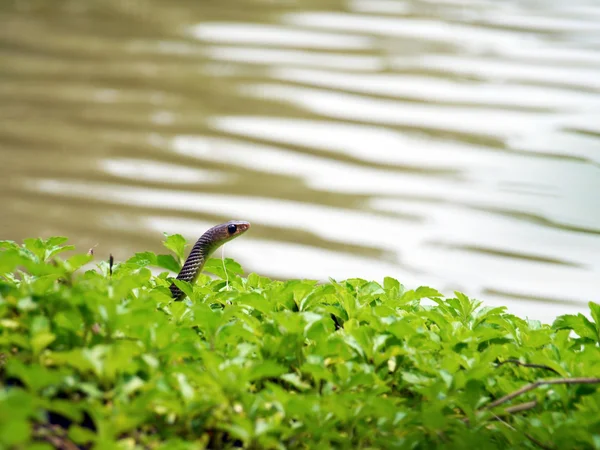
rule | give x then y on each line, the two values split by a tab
453	143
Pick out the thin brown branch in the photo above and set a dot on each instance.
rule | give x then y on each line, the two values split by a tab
536	442
536	366
508	425
532	404
521	407
513	409
532	386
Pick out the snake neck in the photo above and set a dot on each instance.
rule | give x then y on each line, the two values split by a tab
193	264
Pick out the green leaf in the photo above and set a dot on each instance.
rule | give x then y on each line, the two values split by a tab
77	261
44	284
46	249
81	435
415	378
7	244
370	289
391	283
9	261
427	292
177	244
595	311
40	341
186	390
579	324
168	262
17	433
219	266
185	287
266	369
295	381
485	313
238	431
143	259
56	241
55	250
257	302
36	246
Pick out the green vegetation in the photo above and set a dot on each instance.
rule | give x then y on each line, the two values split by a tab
105	359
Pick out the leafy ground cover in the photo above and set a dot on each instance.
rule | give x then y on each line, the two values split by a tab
105	359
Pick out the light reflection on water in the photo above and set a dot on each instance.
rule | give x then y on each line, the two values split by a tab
278	35
454	144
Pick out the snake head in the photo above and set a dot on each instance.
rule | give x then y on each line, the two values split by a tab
220	234
236	227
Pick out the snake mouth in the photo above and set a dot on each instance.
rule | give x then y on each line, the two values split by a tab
243	226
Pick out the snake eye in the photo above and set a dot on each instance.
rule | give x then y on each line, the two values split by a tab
232	228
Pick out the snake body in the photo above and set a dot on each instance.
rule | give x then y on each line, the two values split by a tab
203	248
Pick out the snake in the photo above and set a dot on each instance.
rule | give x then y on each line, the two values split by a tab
211	240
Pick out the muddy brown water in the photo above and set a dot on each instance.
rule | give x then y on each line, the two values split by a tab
449	143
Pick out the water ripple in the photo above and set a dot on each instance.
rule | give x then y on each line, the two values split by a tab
452	143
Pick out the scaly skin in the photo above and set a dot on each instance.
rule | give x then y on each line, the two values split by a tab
203	248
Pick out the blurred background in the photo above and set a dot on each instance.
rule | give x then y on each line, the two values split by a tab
451	143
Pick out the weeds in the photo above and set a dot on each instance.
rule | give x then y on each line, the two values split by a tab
105	359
